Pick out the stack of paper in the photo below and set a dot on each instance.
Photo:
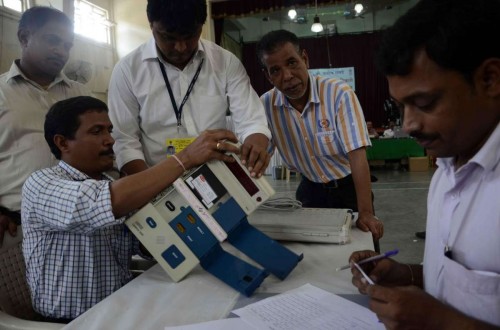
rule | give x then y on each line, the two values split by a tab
307	307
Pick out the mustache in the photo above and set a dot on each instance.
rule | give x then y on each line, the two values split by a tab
422	136
107	152
57	58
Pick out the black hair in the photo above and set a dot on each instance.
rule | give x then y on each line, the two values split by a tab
450	31
273	40
63	118
36	17
178	16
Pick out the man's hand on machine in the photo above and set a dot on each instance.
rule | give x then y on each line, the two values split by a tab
254	154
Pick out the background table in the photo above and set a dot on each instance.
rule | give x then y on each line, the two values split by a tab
394	148
153	300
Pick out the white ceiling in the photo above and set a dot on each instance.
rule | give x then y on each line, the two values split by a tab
335	18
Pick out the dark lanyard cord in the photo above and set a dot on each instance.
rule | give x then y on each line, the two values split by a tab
178	111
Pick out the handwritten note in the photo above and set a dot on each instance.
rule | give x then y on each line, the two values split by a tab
308	307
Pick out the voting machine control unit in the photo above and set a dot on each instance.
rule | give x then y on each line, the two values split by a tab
184	225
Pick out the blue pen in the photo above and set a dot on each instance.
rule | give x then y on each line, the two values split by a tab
374	258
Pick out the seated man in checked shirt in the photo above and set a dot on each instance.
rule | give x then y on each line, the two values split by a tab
76	247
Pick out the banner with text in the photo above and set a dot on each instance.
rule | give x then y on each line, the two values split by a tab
346	74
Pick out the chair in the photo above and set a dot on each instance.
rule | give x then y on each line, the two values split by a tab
139	265
16	311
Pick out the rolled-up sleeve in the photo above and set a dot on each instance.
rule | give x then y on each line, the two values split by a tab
247	111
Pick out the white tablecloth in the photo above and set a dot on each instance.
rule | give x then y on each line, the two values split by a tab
153	300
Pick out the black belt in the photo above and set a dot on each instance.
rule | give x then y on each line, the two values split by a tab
14	215
345	181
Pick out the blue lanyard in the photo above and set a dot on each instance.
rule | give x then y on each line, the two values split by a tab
178	111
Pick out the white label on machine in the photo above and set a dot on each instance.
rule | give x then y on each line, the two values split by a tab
200	210
206	192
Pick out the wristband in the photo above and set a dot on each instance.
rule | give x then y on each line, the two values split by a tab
179	161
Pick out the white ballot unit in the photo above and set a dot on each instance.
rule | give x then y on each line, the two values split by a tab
305	224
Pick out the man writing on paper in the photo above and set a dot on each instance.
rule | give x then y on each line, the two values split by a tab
76	248
175	86
446	82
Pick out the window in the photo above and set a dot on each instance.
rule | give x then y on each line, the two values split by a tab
16	5
92	21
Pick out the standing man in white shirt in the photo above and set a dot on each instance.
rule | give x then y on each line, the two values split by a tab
446	82
27	91
176	85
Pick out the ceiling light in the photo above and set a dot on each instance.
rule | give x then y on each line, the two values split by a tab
292	13
358	8
317	26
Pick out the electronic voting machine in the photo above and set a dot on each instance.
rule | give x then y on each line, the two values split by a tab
319	225
184	225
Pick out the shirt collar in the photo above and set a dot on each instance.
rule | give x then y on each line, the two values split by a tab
73	172
281	99
16	73
489	154
487	157
150	51
77	175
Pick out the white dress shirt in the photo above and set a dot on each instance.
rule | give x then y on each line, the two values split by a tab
23	150
142	112
464	214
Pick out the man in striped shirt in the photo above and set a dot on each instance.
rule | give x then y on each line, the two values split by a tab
319	129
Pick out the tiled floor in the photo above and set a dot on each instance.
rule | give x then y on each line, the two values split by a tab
400	201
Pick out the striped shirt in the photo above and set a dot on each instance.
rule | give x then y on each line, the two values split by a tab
316	141
76	252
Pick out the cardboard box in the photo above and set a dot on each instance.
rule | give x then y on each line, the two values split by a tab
418	164
376	162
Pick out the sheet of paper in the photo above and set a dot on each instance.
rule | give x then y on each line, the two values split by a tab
308	307
224	324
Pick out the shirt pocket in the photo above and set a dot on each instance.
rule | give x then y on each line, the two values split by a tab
473	292
210	112
326	143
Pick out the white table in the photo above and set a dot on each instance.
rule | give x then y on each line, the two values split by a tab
153	300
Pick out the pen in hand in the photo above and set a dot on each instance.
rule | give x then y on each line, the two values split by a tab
367	278
374	258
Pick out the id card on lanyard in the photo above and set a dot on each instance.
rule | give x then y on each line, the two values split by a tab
176	144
